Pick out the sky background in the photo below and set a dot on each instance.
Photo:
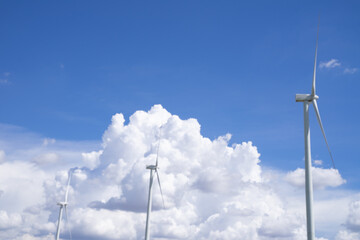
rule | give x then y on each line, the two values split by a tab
67	67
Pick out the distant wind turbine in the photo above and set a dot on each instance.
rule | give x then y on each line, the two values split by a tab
307	99
62	206
152	168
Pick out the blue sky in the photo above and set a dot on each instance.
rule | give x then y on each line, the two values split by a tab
67	66
234	66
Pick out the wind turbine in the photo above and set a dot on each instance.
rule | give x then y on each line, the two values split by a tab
307	99
152	168
62	206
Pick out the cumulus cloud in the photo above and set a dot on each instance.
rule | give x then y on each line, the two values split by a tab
21	185
353	221
9	221
22	200
212	190
321	177
330	64
91	159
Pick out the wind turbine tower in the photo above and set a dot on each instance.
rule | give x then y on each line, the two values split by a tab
308	99
152	168
63	205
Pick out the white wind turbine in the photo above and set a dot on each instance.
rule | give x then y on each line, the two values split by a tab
307	99
62	206
152	169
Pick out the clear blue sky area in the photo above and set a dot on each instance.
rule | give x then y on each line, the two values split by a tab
67	66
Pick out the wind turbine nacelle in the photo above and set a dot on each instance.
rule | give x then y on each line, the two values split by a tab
152	167
62	203
305	97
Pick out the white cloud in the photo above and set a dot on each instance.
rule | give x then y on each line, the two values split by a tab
104	224
211	190
318	162
353	221
46	158
31	237
21	184
350	70
9	221
91	159
79	175
48	141
330	64
345	235
321	177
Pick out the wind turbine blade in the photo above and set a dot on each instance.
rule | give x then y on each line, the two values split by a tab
314	75
322	130
157	153
67	188
67	221
158	178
